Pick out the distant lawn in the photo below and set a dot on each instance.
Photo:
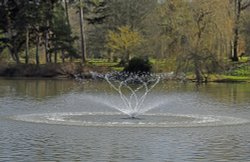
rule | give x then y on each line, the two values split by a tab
241	71
244	59
106	63
238	74
227	78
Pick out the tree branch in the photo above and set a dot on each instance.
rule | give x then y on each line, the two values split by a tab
245	6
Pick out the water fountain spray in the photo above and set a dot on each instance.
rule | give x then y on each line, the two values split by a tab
135	84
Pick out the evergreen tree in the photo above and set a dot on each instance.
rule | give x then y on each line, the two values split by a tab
62	40
12	27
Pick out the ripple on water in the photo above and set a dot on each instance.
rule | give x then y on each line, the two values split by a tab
106	119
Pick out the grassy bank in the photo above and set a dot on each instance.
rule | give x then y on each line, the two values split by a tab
229	78
238	72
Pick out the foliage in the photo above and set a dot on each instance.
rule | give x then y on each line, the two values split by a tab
137	64
195	42
2	42
62	39
124	41
131	13
186	36
246	32
239	7
241	71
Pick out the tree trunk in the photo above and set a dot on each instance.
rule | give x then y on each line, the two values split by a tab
55	57
12	53
37	49
198	73
46	46
27	47
236	30
50	57
66	11
12	46
63	56
16	55
70	58
82	36
127	56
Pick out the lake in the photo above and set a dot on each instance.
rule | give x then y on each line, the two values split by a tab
64	120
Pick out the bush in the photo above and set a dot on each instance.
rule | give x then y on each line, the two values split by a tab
137	64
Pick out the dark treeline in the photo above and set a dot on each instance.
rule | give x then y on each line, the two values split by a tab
202	36
41	24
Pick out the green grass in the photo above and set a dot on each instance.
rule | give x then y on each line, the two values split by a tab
163	65
240	73
235	77
244	59
227	78
243	71
105	63
102	63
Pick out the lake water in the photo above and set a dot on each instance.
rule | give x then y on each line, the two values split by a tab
63	120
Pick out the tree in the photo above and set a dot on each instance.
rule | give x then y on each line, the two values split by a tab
28	17
130	12
82	31
12	27
124	41
61	39
239	7
246	31
190	33
202	44
172	16
92	14
96	18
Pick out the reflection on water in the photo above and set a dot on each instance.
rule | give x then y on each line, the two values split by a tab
231	93
27	141
42	88
224	92
35	88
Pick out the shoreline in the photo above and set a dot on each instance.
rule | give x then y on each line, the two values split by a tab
49	71
70	70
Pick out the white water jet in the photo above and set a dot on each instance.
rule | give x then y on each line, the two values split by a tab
133	89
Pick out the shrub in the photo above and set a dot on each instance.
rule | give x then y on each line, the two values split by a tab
137	65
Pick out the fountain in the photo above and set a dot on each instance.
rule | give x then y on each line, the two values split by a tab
130	95
82	122
137	85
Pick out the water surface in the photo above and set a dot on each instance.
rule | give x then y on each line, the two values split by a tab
182	104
